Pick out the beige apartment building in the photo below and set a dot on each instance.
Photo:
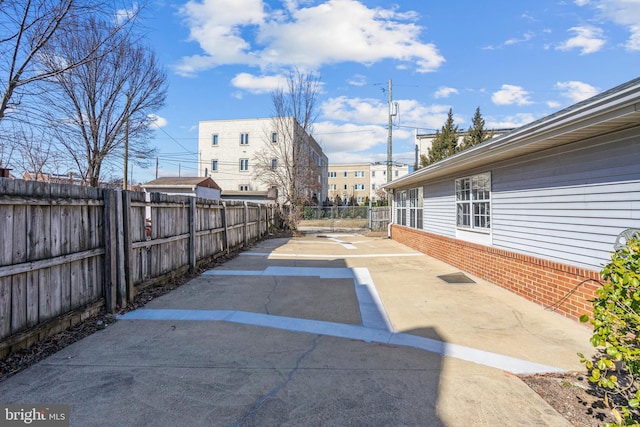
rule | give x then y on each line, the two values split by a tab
361	181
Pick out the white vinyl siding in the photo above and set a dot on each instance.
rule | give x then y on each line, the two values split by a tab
439	207
569	203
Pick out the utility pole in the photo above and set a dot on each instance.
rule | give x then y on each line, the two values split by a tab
126	142
390	130
156	167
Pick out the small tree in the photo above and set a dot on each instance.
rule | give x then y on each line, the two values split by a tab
476	134
290	163
445	143
616	331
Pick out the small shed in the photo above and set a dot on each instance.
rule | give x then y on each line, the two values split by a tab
204	187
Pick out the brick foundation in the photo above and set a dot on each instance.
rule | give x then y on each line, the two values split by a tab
544	282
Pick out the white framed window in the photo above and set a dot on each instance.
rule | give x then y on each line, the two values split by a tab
274	137
401	207
214	139
473	202
373	174
333	187
346	174
345	187
244	164
244	139
358	174
214	165
243	187
415	207
396	173
373	186
274	164
358	187
333	174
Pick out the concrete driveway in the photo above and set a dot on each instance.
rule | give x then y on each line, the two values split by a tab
322	330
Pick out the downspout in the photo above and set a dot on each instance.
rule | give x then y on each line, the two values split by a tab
392	199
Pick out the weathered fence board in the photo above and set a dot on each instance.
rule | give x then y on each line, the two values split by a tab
65	248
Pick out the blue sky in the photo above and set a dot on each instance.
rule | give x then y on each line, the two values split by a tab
516	60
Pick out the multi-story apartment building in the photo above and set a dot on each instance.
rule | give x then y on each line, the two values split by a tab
361	180
424	141
238	154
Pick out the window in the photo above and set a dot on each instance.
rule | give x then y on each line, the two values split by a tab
214	139
274	164
333	187
473	205
373	186
274	137
358	187
401	207
359	174
345	187
244	139
333	174
346	174
243	187
244	164
415	208
396	174
373	174
214	166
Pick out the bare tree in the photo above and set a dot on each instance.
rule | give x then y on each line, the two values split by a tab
28	28
105	101
289	162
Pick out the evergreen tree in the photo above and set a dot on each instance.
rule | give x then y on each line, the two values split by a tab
476	134
446	141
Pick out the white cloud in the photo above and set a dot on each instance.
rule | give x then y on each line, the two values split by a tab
553	104
348	137
510	94
158	121
509	122
581	2
625	13
358	80
248	32
576	91
525	37
445	92
355	110
261	84
587	38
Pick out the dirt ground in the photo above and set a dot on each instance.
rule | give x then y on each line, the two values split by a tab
572	396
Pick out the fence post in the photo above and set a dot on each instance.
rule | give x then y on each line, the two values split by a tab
121	295
225	235
246	222
127	250
110	251
192	234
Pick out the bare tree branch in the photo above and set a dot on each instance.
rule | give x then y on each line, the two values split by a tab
123	83
291	164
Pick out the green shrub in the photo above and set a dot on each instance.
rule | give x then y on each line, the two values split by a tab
615	370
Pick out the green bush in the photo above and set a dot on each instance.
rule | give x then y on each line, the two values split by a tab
615	370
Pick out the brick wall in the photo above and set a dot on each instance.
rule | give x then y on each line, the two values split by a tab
550	284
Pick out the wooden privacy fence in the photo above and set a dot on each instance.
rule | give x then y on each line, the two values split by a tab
379	218
66	251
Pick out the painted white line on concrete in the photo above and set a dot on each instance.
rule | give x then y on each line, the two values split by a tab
372	311
325	256
341	330
345	245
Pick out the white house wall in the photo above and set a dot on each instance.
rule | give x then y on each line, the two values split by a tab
566	204
569	203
